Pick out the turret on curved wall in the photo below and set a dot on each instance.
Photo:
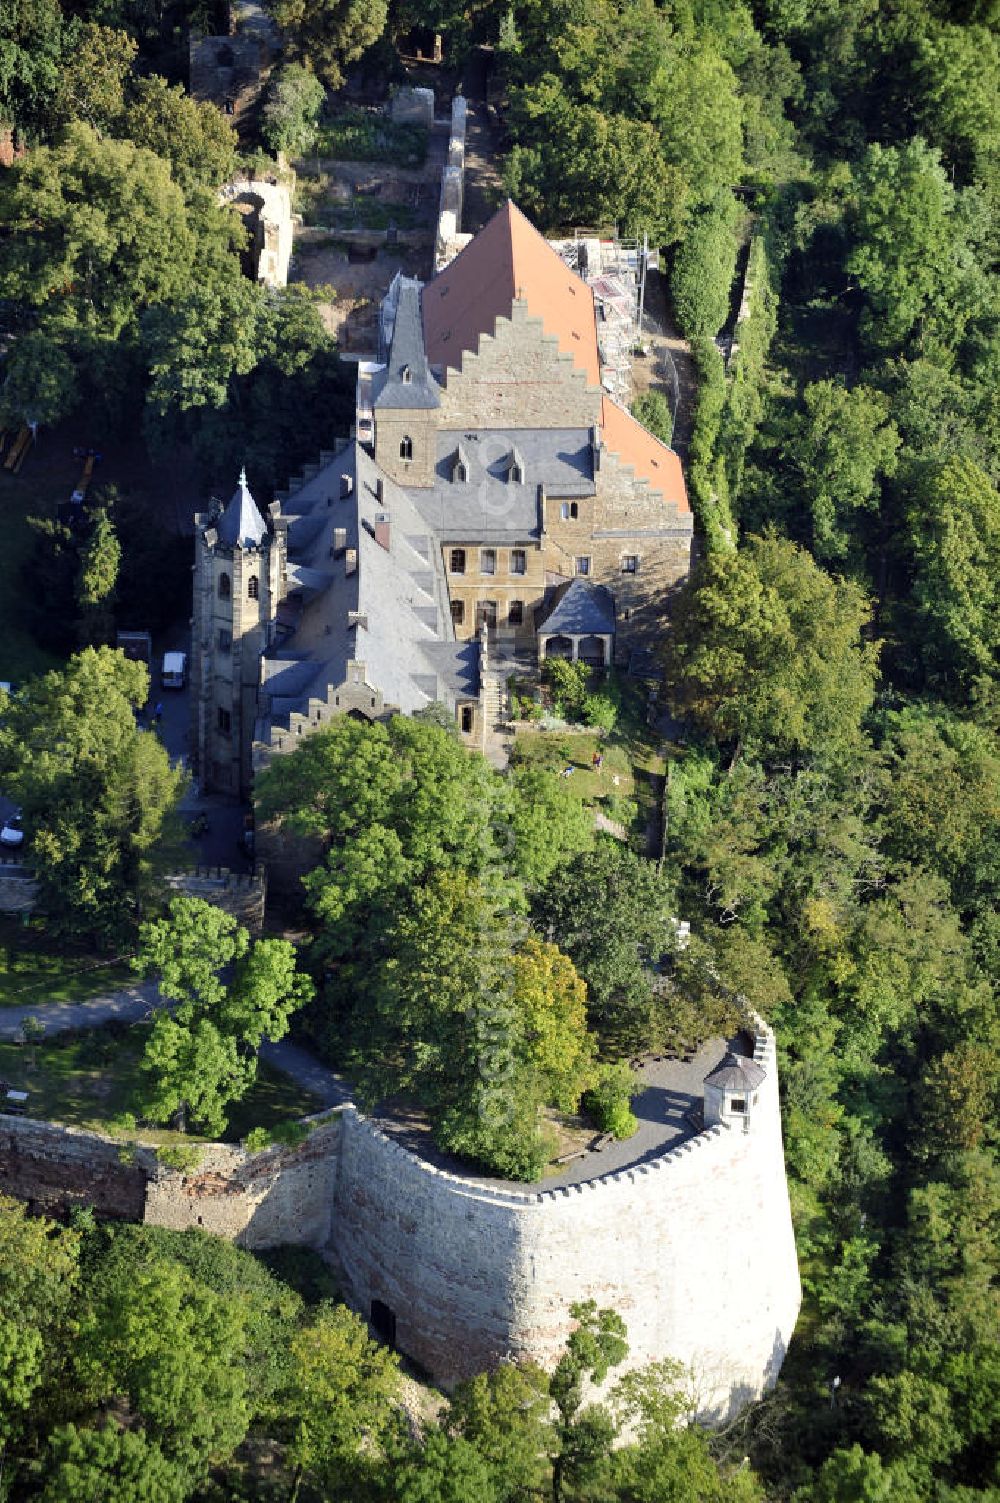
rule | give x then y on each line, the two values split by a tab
694	1249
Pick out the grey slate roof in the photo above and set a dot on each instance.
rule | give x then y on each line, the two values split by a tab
391	612
407	381
490	508
736	1073
241	523
583	609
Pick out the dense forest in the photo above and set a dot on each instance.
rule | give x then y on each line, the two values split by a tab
832	818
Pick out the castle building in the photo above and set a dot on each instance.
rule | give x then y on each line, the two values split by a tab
494	500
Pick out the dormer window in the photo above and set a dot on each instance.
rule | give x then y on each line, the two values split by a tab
407	375
516	475
460	473
406	448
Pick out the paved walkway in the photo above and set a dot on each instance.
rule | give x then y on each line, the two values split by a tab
130	1005
307	1072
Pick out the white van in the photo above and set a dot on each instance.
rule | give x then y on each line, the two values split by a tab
174	675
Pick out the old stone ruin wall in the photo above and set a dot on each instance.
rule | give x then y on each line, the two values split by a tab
276	1196
242	894
449	239
694	1248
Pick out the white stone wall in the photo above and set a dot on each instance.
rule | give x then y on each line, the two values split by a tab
695	1251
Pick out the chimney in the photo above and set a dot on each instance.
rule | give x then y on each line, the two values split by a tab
346	486
351	561
379	490
382	529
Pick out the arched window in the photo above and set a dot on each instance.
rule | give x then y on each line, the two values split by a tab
406	448
225	587
253	587
407	375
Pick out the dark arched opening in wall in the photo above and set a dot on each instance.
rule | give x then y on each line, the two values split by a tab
591	651
558	647
384	1322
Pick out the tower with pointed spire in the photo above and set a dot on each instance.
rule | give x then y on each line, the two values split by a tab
238	572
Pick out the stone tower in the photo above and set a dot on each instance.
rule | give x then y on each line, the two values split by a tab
238	574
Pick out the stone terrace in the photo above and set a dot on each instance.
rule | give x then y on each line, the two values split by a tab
668	1109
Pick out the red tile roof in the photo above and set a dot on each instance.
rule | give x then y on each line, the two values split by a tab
509	259
625	436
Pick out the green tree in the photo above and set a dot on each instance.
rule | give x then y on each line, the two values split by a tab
193	136
97	794
109	1466
343	1391
39	1270
838	450
97	576
548	822
205	1054
292	111
910	249
954	534
196	345
610	911
694	99
704	266
328	35
445	1469
97	64
161	1343
765	650
31	53
653	411
551	1001
40	381
95	230
504	1414
583	1434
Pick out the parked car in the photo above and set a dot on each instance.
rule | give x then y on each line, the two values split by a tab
12	833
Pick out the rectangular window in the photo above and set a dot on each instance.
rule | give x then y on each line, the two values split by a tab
486	613
738	1105
225	641
518	561
468	719
458	612
458	560
225	721
487	560
583	566
515	613
630	563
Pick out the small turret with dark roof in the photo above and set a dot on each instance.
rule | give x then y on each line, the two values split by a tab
241	524
731	1090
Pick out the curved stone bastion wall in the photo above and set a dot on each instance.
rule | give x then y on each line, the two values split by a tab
694	1249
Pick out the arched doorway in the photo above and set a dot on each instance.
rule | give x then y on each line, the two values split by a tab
558	647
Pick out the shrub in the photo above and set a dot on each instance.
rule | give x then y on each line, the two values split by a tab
652	410
599	711
290	1134
568	684
704	266
609	1101
184	1157
257	1139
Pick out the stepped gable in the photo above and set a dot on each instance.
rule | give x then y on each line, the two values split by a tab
651	460
509	260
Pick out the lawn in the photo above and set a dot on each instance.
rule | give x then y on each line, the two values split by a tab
87	1079
20	497
627	788
32	976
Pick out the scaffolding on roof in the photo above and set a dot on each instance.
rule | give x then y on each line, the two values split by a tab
613	267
